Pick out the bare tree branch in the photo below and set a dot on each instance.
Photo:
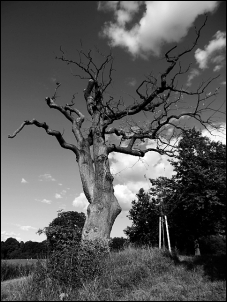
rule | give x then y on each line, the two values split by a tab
55	133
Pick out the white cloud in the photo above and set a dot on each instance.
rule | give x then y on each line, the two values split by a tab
124	196
57	196
209	54
217	68
161	22
5	235
60	184
131	81
193	73
217	135
80	202
46	177
44	201
223	83
131	173
23	181
26	227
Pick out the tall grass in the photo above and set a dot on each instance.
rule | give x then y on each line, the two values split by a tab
11	271
135	274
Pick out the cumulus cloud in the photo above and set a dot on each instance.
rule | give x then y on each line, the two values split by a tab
61	194
23	181
46	177
192	74
161	22
124	196
131	174
213	52
80	202
217	135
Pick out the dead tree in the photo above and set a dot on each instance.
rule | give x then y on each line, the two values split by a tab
159	97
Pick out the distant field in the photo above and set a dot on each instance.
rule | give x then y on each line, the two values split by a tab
22	261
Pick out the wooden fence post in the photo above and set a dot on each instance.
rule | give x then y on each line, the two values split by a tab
167	232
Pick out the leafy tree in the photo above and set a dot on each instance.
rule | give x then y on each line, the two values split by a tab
64	230
10	248
201	186
194	199
145	217
161	98
117	243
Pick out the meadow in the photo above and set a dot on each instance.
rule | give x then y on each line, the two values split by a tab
134	274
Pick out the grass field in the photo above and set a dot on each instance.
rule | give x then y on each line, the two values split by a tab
134	275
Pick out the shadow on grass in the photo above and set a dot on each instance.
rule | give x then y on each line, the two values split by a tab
214	266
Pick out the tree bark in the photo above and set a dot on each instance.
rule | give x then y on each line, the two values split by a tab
104	208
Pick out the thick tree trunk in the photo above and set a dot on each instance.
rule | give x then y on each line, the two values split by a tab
101	215
104	207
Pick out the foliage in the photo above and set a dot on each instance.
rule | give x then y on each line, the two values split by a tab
12	249
200	187
8	247
64	231
117	243
215	244
144	216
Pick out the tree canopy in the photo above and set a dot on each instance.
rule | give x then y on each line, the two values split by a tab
201	185
194	199
144	216
12	249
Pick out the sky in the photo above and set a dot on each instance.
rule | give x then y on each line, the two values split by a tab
38	177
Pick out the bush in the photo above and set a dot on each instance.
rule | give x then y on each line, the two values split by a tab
73	265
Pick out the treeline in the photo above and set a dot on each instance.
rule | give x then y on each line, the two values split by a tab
12	249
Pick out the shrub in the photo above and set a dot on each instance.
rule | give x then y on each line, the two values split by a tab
75	264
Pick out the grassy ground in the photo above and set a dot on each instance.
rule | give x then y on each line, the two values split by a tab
135	275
